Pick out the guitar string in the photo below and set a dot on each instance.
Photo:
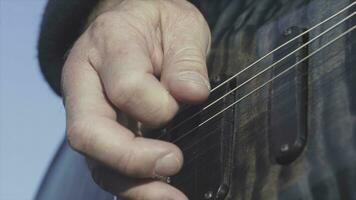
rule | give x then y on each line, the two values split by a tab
259	73
283	45
330	76
207	135
264	84
200	154
248	67
278	48
205	151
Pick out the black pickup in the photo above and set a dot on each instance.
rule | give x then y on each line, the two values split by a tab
288	118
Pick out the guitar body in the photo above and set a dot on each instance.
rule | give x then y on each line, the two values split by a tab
269	118
288	133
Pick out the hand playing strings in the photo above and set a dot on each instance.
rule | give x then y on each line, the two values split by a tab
138	59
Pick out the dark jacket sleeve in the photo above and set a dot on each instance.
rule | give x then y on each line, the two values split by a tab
63	22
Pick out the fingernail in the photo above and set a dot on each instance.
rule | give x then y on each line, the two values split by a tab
195	78
167	165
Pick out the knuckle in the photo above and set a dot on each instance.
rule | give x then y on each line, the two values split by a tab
102	23
103	28
184	12
112	26
74	134
124	90
130	164
193	14
189	58
125	163
134	194
158	116
77	135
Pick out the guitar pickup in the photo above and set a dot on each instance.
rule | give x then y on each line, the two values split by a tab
288	107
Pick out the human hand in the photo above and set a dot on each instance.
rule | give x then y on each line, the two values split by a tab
141	59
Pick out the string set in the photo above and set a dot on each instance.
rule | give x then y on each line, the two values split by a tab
268	68
263	71
269	81
212	146
264	57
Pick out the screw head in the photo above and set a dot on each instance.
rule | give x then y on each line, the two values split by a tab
216	78
208	195
288	32
222	192
285	148
168	180
164	131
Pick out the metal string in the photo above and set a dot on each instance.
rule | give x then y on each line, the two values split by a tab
283	45
204	152
271	66
262	58
207	135
261	72
266	83
207	150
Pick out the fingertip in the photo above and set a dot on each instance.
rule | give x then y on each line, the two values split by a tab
158	190
155	190
168	160
131	188
150	158
189	87
168	164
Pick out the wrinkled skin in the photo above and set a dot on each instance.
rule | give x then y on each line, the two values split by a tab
139	59
95	89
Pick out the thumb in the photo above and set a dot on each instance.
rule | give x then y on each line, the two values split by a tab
185	48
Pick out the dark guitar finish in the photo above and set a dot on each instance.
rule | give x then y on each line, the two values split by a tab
293	139
266	155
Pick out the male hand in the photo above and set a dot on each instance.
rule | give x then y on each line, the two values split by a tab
140	58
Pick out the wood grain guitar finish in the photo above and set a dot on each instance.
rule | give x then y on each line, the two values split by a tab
292	139
314	102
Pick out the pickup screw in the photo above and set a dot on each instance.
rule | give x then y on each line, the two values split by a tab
164	131
222	192
165	134
284	148
168	180
287	32
217	78
208	195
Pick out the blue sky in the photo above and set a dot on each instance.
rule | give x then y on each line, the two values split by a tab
31	116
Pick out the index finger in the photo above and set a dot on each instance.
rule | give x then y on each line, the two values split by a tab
92	128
